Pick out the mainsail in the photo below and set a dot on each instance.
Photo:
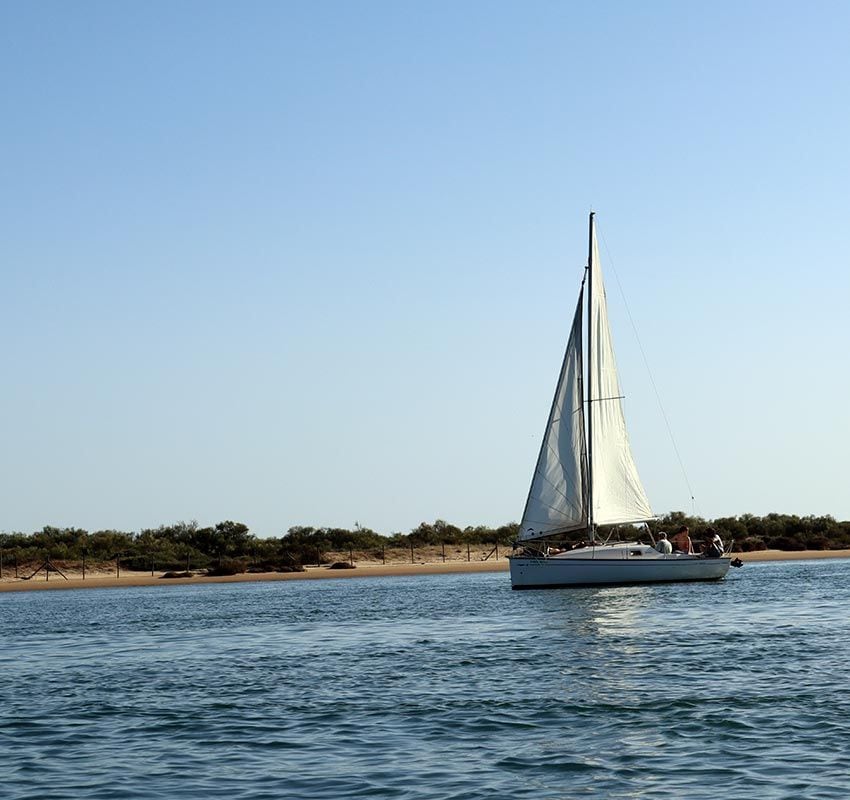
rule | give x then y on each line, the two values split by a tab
618	494
557	500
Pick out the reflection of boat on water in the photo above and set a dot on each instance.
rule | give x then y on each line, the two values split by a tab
586	479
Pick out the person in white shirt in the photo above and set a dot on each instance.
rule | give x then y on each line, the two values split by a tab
662	545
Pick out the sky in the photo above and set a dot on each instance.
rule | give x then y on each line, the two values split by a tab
300	263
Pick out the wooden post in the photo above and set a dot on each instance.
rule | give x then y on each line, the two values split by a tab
16	563
351	556
318	557
117	566
383	554
84	564
468	554
444	552
187	561
411	551
152	566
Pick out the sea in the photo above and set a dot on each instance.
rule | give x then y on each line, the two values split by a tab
427	687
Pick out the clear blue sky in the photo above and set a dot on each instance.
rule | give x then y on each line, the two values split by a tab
314	263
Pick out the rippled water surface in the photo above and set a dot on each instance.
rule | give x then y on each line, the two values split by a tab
446	686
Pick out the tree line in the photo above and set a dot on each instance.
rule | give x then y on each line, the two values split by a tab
770	532
228	542
230	546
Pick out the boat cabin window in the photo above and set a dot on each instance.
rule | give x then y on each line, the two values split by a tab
636	553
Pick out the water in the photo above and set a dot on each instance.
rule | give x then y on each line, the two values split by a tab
431	687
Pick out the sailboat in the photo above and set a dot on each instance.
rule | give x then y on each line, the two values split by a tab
585	481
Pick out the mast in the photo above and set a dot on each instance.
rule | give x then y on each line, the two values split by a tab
590	526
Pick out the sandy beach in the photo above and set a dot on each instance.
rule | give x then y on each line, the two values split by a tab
103	579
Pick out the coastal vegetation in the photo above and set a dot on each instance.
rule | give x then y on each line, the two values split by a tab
230	547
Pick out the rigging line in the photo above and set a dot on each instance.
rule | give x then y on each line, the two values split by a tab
648	370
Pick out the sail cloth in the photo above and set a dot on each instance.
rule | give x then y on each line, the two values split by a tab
618	494
557	500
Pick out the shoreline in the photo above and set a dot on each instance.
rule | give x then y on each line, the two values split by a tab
362	570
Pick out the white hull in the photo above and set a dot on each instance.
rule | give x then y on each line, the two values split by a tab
602	565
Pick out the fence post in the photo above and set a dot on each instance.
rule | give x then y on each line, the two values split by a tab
468	553
383	554
351	556
152	566
117	566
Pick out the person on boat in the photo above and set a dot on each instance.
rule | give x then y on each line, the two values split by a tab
662	545
713	544
682	541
